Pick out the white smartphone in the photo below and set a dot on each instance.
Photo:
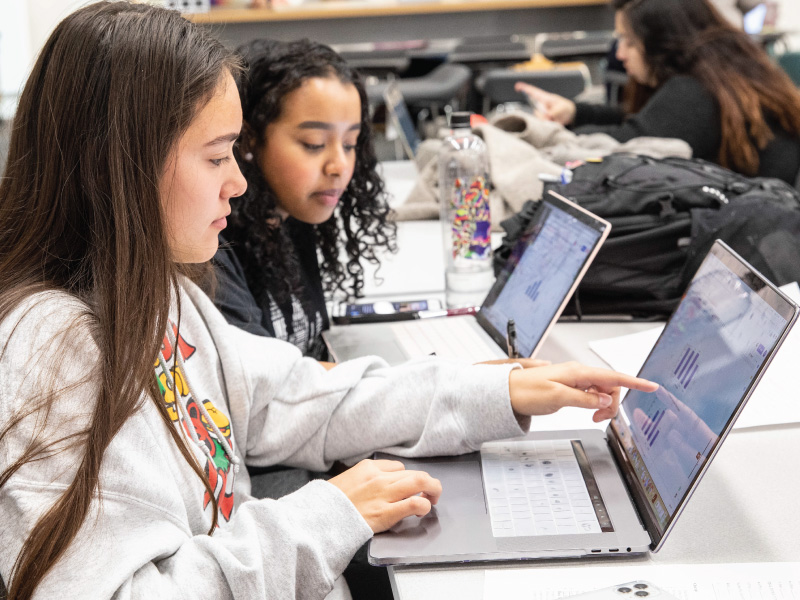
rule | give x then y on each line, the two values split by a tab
631	589
343	314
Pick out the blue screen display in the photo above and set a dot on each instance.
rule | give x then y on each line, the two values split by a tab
705	361
539	274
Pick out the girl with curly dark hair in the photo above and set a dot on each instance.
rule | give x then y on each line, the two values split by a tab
315	205
695	77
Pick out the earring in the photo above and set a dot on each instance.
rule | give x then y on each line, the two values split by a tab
248	156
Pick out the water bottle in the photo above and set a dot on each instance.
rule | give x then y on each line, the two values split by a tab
466	221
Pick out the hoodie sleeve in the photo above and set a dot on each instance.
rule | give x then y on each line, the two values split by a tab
303	415
145	533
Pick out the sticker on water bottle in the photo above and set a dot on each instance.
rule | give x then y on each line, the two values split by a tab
471	227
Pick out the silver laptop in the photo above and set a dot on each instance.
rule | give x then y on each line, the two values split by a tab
587	493
544	268
753	22
400	119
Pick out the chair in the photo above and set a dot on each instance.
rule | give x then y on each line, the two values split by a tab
577	45
790	62
482	55
445	85
497	86
378	63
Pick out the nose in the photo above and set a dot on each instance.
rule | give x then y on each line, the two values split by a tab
621	51
336	162
236	184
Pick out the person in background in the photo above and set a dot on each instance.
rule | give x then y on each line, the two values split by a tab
314	208
128	403
734	10
694	77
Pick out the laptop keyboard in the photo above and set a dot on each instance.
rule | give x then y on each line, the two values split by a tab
449	337
536	487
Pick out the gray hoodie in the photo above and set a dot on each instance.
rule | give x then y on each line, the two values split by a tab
146	538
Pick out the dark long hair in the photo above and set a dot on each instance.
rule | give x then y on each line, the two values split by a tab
110	95
258	235
689	37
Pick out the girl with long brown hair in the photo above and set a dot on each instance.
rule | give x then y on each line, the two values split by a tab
695	77
128	404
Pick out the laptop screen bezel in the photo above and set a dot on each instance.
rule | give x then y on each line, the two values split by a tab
575	211
401	118
787	310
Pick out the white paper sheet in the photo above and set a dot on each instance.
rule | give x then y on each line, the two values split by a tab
776	399
734	581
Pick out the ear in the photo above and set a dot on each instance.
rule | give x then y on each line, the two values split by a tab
248	142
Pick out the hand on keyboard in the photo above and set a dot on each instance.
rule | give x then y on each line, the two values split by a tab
544	390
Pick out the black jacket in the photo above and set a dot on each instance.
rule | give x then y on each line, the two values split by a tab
682	108
235	300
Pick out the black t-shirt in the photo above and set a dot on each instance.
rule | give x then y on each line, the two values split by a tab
683	108
300	323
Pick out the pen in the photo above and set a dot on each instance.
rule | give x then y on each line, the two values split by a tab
511	339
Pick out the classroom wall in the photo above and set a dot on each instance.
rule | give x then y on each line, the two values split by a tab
789	20
24	27
15	50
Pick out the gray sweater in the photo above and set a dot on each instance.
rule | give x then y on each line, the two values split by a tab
147	538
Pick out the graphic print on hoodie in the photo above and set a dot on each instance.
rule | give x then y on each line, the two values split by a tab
219	469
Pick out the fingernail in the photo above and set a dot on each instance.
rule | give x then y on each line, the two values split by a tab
604	399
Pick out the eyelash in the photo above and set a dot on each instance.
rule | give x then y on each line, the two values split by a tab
318	147
217	162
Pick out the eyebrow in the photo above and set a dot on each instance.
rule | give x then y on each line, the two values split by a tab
325	126
224	139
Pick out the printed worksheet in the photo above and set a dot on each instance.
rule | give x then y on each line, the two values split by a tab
734	581
774	402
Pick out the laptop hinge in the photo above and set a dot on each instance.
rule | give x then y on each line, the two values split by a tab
646	520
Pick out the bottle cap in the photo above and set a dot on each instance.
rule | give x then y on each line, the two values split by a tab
460	120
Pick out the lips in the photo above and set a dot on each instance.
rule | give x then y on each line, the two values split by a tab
328	197
220	223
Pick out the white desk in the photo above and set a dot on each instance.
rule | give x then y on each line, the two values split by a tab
745	510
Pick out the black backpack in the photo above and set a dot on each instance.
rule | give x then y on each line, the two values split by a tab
665	215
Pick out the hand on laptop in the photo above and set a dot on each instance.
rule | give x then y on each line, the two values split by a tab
544	390
384	492
526	363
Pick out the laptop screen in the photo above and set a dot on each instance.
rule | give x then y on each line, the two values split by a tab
754	19
401	119
710	354
542	268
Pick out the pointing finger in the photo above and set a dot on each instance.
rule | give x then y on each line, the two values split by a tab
605	379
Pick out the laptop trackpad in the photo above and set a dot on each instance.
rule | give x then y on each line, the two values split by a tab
453	524
389	350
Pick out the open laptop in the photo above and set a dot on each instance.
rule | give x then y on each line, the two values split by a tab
400	119
544	268
587	493
753	21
